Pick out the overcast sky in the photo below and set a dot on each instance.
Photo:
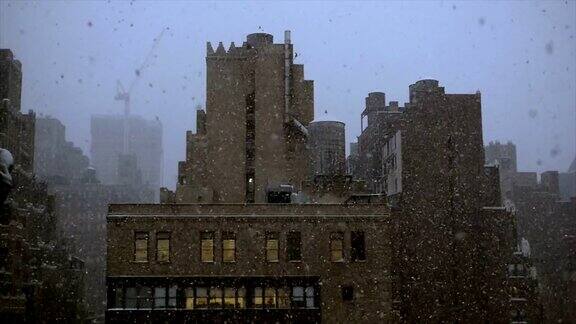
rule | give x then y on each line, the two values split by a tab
521	55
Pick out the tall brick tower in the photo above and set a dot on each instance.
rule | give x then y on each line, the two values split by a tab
252	138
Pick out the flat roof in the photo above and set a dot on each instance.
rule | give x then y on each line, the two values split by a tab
372	209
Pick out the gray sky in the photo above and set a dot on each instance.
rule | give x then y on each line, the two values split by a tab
521	55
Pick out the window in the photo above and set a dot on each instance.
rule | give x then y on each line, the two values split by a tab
272	246
270	297
139	297
298	300
258	297
118	297
358	246
141	247
159	297
336	247
347	293
189	298
172	296
228	247
215	297
131	297
201	297
229	297
241	300
283	298
207	246
294	246
163	247
309	292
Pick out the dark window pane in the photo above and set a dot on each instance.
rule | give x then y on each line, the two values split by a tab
294	242
358	246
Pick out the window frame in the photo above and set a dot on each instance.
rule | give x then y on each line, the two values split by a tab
358	253
141	235
294	245
228	236
207	235
272	236
165	236
334	237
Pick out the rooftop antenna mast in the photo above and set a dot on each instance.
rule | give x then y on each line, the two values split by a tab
124	94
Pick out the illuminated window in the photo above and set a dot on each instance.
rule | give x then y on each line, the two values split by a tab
228	247
258	297
283	298
270	297
163	247
207	246
201	297
189	298
141	247
358	246
336	247
272	245
215	297
294	242
241	301
229	297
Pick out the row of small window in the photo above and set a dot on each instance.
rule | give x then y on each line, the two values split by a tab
143	297
272	246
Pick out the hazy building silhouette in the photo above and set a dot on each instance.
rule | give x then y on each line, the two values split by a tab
56	160
144	143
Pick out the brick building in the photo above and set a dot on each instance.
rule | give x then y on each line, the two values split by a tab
258	105
243	263
549	224
327	147
428	157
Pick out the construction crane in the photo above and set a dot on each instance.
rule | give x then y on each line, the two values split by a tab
123	94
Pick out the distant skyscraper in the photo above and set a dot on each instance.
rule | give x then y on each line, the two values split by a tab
327	147
503	156
144	142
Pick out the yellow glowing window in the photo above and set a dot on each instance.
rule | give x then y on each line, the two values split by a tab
258	298
283	298
207	246
337	247
228	247
270	297
241	301
141	247
163	247
189	298
215	297
272	246
229	297
201	297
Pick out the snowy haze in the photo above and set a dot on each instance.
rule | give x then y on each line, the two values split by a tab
520	55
